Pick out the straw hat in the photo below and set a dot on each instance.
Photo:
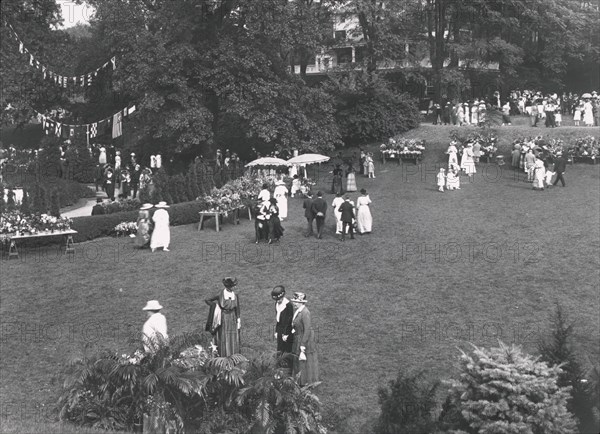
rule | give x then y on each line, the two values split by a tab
162	204
146	206
299	297
153	305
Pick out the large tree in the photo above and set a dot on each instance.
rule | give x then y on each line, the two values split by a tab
213	73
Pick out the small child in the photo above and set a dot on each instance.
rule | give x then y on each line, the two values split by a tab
371	167
452	180
441	179
295	185
557	117
549	175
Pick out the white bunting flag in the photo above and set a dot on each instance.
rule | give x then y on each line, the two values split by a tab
31	60
57	129
82	79
20	47
131	109
114	62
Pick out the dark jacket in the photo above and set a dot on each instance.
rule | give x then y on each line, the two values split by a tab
283	327
319	205
347	211
307	205
560	165
98	210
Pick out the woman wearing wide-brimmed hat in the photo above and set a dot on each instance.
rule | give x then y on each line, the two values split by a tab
224	318
154	332
306	364
161	235
142	237
364	219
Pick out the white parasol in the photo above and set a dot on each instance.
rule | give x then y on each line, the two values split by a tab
268	161
586	95
308	159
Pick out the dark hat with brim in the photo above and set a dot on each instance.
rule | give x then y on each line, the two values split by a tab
230	282
278	292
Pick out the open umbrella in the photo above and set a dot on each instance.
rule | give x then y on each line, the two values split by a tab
268	161
308	159
586	95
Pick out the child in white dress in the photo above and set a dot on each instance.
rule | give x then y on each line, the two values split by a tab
452	180
441	179
295	186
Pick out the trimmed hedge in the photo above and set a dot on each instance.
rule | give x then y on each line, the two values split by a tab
90	227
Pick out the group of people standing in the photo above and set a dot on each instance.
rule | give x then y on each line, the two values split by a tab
466	113
348	215
542	167
153	231
293	331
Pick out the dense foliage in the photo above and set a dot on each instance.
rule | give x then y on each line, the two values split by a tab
185	385
368	109
584	401
407	405
504	390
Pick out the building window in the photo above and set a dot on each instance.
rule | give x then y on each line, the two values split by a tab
344	55
340	35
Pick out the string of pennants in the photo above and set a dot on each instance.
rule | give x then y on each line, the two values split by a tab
92	130
61	80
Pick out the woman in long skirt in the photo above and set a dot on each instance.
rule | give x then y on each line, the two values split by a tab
337	213
467	163
161	235
142	237
588	114
364	220
304	349
225	321
280	193
350	179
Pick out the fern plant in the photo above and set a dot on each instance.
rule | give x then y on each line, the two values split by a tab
276	403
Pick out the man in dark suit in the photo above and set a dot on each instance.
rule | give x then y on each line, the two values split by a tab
347	211
308	212
560	167
319	208
98	209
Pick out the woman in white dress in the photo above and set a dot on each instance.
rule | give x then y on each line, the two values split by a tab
161	235
474	108
102	157
364	220
539	173
280	193
588	113
467	163
337	201
452	153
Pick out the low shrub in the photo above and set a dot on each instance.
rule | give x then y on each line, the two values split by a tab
91	227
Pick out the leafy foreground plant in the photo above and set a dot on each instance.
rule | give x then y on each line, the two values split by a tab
503	390
183	387
407	405
583	401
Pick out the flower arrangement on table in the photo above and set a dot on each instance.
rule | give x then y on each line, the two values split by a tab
402	147
588	146
126	228
15	222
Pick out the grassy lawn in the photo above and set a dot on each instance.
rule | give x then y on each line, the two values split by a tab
484	263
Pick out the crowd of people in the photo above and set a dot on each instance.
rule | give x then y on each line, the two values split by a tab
293	331
543	167
547	109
